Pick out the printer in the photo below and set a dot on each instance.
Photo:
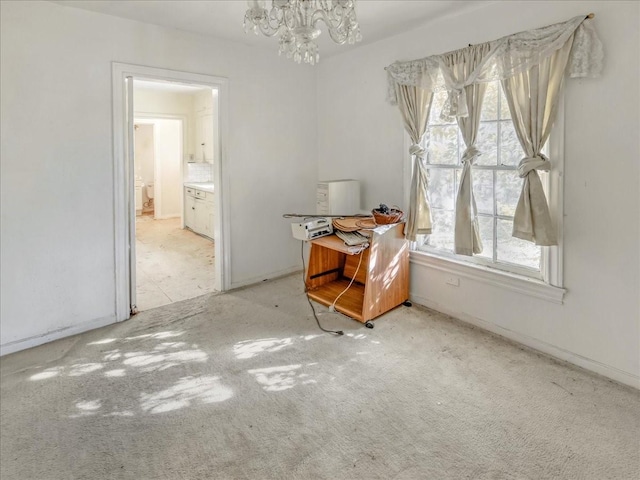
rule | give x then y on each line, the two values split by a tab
317	227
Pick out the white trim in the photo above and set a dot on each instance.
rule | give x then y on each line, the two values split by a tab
23	344
120	197
551	350
407	172
490	276
221	178
552	265
130	148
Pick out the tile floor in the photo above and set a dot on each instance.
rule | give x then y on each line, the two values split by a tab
172	264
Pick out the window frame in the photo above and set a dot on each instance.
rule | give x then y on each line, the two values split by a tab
548	284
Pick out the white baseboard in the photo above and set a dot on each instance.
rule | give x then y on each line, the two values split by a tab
23	344
270	276
551	350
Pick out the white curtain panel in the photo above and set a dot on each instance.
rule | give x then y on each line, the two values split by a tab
457	67
414	103
532	62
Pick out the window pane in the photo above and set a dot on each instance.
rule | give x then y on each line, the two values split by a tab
514	250
486	234
510	150
441	187
483	190
442	236
487	143
443	145
490	103
508	188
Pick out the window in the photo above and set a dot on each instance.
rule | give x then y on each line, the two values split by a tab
496	186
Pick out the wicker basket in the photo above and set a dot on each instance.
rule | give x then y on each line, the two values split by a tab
394	216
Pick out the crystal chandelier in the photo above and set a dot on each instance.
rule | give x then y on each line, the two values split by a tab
294	21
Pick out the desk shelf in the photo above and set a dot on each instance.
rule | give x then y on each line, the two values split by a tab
350	303
381	283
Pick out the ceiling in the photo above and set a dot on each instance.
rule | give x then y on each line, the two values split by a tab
223	18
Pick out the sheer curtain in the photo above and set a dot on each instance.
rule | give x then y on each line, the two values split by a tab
414	103
457	68
533	101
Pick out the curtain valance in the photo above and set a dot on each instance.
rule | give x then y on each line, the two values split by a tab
502	59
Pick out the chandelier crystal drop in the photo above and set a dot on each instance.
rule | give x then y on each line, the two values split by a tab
295	23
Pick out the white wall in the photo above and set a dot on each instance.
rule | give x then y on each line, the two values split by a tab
57	249
150	102
168	188
360	136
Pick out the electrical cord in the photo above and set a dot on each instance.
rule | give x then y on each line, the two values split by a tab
304	281
332	308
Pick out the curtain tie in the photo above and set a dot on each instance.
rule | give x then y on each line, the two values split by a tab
455	105
417	150
470	154
538	162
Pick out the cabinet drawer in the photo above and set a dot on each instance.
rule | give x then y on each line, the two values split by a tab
201	194
190	191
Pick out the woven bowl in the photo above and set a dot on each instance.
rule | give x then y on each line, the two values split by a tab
394	216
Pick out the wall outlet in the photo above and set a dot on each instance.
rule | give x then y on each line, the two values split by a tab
455	281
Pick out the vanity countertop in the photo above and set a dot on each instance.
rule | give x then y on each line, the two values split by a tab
206	186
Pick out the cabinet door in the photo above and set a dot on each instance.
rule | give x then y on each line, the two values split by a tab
208	219
198	147
200	216
212	224
189	212
207	137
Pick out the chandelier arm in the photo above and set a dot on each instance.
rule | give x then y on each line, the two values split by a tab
289	18
274	19
336	32
261	24
268	33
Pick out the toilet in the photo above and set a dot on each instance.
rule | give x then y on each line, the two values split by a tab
138	191
150	191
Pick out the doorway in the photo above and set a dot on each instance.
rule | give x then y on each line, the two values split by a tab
158	150
160	258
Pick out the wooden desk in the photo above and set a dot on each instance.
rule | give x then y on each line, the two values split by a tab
381	283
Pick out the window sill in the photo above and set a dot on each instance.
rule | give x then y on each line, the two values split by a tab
508	281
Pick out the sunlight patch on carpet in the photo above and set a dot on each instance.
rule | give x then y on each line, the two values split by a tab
276	379
184	393
251	348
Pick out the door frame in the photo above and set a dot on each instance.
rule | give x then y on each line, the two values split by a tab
149	119
124	186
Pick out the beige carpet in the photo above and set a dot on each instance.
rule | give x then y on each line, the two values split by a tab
244	385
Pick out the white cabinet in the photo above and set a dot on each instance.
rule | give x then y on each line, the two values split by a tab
199	211
207	137
205	123
189	209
